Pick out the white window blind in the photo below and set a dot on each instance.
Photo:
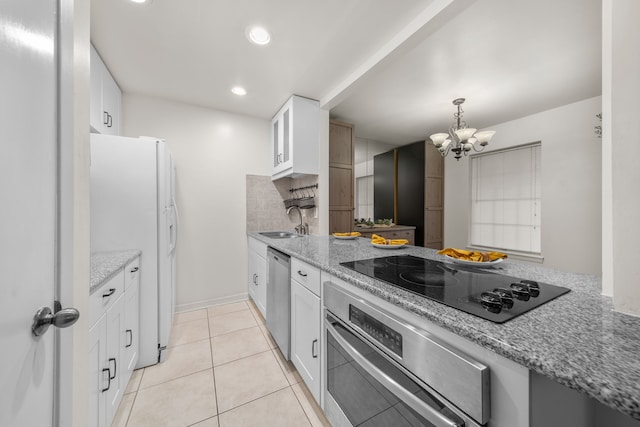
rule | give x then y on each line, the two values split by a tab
505	199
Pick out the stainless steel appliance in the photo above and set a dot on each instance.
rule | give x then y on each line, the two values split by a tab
480	292
279	299
381	371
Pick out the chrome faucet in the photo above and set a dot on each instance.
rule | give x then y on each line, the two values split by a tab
302	228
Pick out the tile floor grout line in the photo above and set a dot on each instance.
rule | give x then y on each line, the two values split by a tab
190	342
301	405
253	400
213	370
241	329
282	367
240	358
177	378
134	398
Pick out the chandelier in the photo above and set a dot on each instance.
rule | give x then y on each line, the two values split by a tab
461	139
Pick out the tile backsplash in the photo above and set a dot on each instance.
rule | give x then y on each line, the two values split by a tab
265	204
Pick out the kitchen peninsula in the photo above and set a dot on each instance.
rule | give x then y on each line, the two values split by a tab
576	340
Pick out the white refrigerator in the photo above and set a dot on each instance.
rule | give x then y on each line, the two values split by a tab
133	207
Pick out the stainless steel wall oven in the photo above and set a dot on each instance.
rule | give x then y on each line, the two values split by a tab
380	371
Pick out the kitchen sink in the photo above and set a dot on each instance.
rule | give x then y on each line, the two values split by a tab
279	234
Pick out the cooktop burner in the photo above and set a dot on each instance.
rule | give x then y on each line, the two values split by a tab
483	293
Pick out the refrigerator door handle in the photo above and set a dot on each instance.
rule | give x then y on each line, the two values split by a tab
174	237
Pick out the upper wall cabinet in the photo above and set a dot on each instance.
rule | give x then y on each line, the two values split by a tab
295	138
106	98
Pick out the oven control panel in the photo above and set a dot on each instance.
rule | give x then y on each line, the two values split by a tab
376	330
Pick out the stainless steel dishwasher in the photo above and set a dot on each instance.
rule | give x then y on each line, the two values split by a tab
279	299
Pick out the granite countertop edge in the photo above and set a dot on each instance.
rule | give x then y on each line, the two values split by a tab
585	346
104	265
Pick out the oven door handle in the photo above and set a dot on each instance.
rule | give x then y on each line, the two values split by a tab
429	413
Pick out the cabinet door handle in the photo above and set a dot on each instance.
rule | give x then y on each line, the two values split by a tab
108	294
302	273
314	353
134	269
130	332
105	117
110	121
108	371
115	367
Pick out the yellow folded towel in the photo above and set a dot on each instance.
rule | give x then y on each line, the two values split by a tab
348	234
379	240
472	255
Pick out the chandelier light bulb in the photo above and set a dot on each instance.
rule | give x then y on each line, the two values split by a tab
484	137
465	134
438	139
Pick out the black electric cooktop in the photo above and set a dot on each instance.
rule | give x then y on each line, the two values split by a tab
485	294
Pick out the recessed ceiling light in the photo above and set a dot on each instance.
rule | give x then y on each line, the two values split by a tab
239	90
258	35
141	1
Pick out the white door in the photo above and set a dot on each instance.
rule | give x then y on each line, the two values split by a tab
28	188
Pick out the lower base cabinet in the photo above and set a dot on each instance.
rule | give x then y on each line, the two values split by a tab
97	373
113	343
305	336
258	274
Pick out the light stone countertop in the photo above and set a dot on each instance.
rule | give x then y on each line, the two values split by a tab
105	265
576	339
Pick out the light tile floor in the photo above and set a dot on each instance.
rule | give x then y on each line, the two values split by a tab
223	369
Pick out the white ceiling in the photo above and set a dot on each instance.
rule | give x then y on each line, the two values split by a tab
382	65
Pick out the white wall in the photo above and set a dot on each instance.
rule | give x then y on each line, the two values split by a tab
214	151
571	184
620	89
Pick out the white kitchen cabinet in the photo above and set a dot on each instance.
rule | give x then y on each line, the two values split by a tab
98	373
106	98
113	341
115	356
295	138
131	318
258	274
305	324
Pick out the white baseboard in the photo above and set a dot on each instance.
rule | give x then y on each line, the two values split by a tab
181	308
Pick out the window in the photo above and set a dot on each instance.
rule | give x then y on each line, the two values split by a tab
364	197
505	199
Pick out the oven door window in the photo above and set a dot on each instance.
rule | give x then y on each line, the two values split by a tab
366	386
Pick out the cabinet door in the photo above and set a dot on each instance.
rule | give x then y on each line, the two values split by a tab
95	105
132	331
305	336
258	281
252	275
111	100
115	353
261	285
98	379
282	140
276	138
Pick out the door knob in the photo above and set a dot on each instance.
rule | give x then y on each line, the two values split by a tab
61	319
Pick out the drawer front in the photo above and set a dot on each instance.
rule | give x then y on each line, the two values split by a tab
104	297
305	274
258	246
399	234
132	273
